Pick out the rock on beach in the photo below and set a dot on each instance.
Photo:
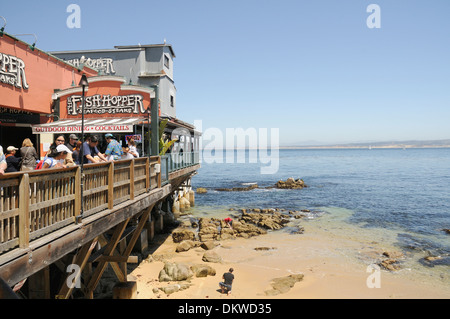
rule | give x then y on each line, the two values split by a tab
202	270
185	245
211	256
179	235
175	272
283	284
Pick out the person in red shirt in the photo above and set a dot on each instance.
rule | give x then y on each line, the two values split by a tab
228	222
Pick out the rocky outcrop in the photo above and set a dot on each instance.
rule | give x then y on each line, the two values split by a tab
247	230
273	220
175	272
238	189
179	235
202	270
392	262
291	183
211	229
201	190
208	229
283	284
431	261
393	254
247	223
227	233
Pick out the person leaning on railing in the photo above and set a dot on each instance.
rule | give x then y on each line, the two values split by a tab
12	162
132	148
91	152
57	158
60	140
3	164
114	150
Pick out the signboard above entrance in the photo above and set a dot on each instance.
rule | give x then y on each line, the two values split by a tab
106	96
118	125
106	104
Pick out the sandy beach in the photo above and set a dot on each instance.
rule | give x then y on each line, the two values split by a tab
333	263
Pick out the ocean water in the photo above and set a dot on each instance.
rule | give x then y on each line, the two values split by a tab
385	195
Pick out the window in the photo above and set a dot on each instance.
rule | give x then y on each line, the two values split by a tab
166	61
172	102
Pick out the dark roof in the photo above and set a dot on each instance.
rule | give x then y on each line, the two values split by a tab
120	47
146	46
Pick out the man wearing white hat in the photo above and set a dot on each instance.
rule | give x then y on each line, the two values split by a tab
12	162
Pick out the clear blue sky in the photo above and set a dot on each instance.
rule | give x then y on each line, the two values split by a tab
313	69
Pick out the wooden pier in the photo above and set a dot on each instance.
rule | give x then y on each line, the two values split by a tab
42	222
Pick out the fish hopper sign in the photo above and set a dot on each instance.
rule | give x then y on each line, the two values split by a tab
110	106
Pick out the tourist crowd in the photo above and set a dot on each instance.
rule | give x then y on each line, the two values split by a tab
61	155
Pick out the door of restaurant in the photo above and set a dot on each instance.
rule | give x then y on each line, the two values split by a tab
14	136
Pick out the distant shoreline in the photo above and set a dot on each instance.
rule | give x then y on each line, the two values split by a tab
373	145
366	147
411	144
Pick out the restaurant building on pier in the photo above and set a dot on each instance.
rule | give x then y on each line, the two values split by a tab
40	96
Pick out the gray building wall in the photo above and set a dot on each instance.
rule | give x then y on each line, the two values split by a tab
144	65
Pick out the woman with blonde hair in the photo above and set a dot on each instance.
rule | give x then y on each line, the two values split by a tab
29	155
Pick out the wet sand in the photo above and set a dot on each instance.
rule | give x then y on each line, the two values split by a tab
333	265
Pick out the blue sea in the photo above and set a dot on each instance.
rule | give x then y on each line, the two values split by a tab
396	195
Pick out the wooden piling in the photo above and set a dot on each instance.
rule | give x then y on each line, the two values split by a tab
125	290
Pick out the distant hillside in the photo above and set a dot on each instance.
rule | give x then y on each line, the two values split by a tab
391	144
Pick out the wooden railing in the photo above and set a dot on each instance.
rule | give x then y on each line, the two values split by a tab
36	203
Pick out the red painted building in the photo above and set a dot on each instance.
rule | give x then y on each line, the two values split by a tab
40	97
28	79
